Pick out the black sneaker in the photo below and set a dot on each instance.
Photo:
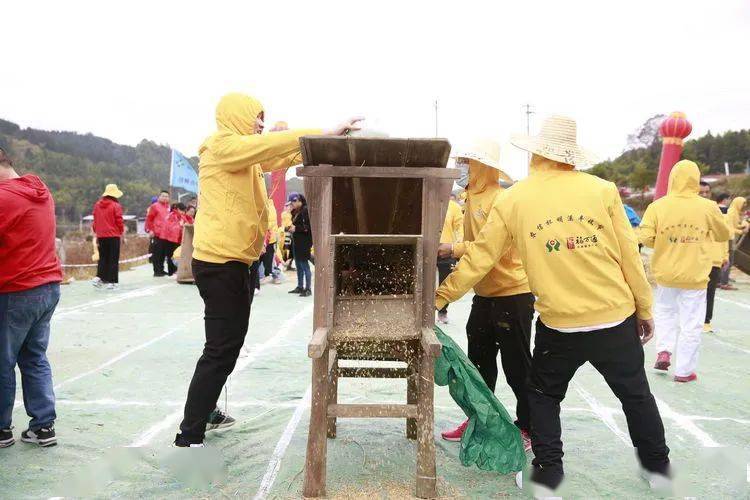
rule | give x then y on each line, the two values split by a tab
6	438
179	442
43	437
305	293
219	420
296	290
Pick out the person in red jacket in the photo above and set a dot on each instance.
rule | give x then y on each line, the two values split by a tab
30	277
155	220
172	234
108	227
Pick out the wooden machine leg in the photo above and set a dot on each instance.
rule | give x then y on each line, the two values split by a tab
315	462
411	395
333	395
426	474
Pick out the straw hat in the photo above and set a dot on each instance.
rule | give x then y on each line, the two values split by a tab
111	190
486	152
556	141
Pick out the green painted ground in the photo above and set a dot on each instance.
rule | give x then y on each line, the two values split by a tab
122	362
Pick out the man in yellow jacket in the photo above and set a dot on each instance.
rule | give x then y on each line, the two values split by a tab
452	233
503	306
719	252
738	227
679	227
229	235
594	302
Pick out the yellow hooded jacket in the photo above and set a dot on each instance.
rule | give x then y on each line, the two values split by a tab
232	222
734	216
453	224
681	228
286	219
273	226
577	246
507	277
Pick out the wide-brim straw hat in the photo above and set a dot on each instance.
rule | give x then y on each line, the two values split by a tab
557	140
111	190
486	152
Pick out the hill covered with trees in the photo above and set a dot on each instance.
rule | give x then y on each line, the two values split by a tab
76	167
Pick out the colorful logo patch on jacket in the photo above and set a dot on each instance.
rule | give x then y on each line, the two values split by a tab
552	246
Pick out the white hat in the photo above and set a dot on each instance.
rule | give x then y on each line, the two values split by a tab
486	152
556	141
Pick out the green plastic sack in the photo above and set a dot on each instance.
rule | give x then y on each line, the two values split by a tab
491	441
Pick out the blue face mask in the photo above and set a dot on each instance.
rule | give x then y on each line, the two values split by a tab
463	181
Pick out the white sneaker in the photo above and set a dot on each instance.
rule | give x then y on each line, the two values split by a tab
112	286
539	491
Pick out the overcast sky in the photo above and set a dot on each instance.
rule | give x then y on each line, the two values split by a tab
155	69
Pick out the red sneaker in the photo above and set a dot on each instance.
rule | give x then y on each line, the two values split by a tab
688	378
455	434
662	361
526	440
728	287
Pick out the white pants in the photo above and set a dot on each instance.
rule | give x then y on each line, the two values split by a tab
678	318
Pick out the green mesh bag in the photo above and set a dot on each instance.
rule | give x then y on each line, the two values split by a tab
491	441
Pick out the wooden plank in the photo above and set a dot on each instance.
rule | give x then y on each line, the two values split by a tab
333	394
430	343
318	343
412	395
426	470
396	152
185	269
387	172
376	239
372	372
372	411
317	443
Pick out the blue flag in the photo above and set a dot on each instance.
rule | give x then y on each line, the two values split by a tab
182	174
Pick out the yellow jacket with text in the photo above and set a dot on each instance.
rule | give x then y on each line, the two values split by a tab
286	219
273	226
577	246
507	277
453	224
682	228
232	220
734	216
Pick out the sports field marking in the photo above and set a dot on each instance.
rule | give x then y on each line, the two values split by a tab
130	351
740	304
278	453
120	356
604	413
171	419
139	292
730	345
686	423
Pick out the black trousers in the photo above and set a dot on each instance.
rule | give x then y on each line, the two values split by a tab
713	281
169	248
617	354
445	266
503	324
107	269
267	259
227	292
158	254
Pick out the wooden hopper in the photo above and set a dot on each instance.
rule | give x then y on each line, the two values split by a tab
377	208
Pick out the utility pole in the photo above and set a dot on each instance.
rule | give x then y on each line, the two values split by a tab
436	118
528	112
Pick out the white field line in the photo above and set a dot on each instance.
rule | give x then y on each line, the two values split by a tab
604	413
121	356
139	292
730	345
686	423
145	438
278	453
729	301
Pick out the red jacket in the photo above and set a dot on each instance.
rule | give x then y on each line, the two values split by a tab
157	216
27	235
172	229
108	218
